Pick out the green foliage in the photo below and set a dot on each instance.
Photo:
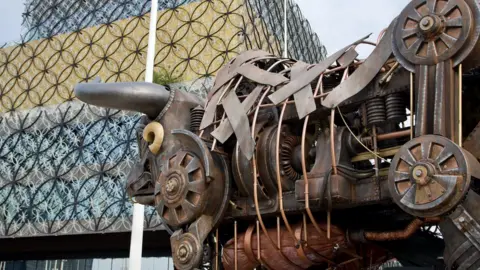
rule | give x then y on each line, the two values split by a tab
163	77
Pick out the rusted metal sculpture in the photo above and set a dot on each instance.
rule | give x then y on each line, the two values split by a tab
288	165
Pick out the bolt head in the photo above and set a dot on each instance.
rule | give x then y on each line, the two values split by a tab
461	219
182	252
425	21
418	172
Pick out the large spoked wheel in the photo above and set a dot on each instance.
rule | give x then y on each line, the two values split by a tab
429	176
180	188
431	31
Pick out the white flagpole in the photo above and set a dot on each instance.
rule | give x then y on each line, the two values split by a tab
136	242
285	34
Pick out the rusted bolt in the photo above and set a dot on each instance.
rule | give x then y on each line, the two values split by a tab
171	185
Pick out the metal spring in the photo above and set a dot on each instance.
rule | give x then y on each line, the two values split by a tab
375	111
395	107
286	152
196	116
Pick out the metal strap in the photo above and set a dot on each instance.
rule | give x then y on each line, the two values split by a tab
364	74
261	76
470	261
225	130
306	78
229	71
469	226
304	102
240	124
458	252
347	58
210	111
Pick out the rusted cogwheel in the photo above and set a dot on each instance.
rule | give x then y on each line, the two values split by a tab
188	253
179	191
429	176
431	31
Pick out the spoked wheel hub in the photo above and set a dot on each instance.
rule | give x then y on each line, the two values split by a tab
429	176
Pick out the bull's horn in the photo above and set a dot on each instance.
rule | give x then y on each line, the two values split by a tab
147	98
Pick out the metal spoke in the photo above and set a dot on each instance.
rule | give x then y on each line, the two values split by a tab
455	22
431	5
188	208
416	46
193	165
179	158
448	7
443	156
448	40
160	207
409	195
446	181
401	176
158	190
414	15
408	158
173	215
409	32
431	52
196	186
426	148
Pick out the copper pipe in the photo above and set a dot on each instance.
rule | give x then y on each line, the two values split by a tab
255	182
304	165
216	249
305	233
306	180
328	224
278	233
236	246
277	170
411	105
460	105
254	165
375	148
332	141
402	234
381	35
259	257
393	135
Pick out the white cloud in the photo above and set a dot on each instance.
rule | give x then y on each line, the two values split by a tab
341	22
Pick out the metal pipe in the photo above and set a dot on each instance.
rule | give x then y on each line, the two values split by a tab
411	105
402	234
393	135
216	249
236	246
460	105
277	170
332	141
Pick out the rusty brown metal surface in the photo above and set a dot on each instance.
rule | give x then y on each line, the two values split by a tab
270	256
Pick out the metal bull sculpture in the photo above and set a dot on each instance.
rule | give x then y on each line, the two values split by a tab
342	164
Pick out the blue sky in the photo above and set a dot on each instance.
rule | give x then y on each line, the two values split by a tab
337	22
10	20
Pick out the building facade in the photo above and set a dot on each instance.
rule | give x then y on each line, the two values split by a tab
63	163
